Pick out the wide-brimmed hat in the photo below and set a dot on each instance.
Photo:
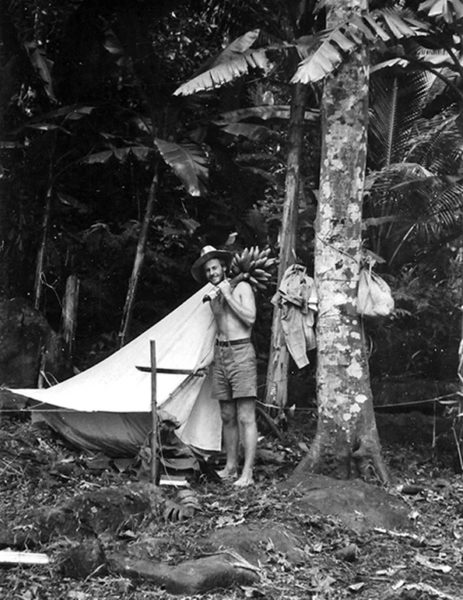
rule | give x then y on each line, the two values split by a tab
207	253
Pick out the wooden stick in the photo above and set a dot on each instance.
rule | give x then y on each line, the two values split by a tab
10	557
198	373
139	259
154	417
233	282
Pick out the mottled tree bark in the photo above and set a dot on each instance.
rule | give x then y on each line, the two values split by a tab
277	373
346	441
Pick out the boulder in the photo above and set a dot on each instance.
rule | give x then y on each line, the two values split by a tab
358	505
24	335
92	513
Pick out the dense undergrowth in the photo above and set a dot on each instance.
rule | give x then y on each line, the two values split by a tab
37	469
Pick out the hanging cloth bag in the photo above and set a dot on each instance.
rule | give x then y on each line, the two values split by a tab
374	297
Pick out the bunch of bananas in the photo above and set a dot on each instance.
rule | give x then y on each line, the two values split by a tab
255	264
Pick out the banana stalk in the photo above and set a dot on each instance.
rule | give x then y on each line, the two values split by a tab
256	264
252	265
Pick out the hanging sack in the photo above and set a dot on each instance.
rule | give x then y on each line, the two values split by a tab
374	297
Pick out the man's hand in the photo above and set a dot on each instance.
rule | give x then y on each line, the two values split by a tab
225	287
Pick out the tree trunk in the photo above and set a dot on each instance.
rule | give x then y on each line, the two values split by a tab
69	312
459	420
346	441
277	373
138	262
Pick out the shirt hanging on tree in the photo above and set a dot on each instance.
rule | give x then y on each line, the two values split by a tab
297	299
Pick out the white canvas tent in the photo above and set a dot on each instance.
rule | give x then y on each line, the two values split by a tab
107	407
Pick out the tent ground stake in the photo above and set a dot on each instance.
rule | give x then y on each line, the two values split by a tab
154	418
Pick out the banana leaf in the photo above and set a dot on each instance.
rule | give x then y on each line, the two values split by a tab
189	163
379	25
236	60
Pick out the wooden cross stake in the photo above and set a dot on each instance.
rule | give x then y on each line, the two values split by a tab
154	417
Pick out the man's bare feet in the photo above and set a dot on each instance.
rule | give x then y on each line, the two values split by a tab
245	480
227	473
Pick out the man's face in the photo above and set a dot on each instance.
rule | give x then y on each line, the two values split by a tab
214	271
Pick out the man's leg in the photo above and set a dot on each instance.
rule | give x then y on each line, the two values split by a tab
228	412
247	421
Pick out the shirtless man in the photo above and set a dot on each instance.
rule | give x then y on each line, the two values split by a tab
234	371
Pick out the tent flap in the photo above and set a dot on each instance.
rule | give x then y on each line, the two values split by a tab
107	406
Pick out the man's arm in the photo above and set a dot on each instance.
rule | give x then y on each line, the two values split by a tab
241	300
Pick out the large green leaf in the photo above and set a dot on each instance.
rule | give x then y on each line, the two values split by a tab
235	61
189	163
251	131
70	112
448	10
240	45
379	25
121	154
42	66
66	113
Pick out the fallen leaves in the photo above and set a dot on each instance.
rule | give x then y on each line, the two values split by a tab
426	562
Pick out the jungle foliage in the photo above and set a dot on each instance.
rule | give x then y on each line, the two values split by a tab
96	103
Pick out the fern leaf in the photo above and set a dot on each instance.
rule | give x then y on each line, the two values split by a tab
189	163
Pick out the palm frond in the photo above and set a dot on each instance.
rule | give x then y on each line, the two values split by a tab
444	210
379	25
235	61
396	100
189	163
428	202
436	143
383	183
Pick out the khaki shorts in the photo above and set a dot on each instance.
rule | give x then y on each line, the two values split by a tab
234	373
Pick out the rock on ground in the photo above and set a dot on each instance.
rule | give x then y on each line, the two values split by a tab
359	505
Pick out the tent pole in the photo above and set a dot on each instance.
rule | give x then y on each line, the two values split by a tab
154	417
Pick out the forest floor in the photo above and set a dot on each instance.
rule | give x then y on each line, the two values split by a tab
424	562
